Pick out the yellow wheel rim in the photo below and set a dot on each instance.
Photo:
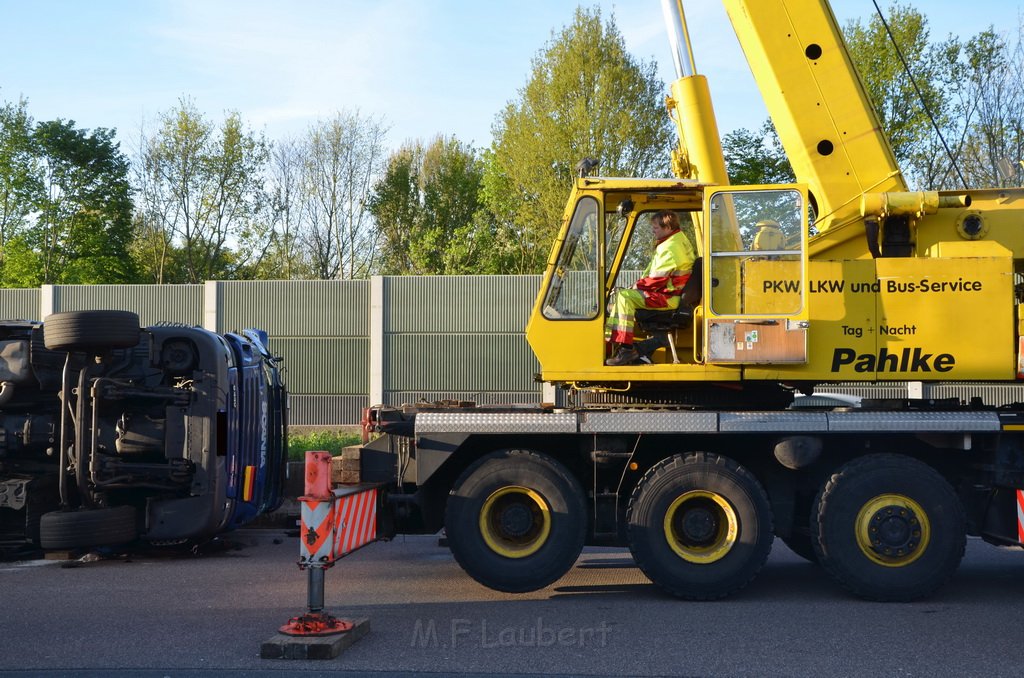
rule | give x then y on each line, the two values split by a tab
893	530
701	527
515	521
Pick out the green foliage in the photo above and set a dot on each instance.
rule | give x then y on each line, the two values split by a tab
65	203
424	207
201	194
328	440
85	226
756	157
215	200
974	90
890	87
586	96
20	182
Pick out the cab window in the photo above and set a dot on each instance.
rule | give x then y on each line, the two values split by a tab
756	246
573	292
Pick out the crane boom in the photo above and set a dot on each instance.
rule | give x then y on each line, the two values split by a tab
819	105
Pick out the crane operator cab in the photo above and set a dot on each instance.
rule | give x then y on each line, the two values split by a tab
745	303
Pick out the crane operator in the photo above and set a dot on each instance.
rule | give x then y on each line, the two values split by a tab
658	288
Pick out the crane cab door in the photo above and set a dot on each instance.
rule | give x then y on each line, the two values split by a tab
755	275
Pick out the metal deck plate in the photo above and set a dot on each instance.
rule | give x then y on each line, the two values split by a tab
495	422
703	422
913	421
648	422
795	422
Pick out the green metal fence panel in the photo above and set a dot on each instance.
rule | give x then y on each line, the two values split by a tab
325	410
324	365
153	303
459	303
20	304
298	308
459	337
460	362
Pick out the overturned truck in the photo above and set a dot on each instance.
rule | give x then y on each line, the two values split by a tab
111	433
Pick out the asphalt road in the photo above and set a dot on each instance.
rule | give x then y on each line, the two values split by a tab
157	615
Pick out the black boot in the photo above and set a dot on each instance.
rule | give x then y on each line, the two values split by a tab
647	347
626	355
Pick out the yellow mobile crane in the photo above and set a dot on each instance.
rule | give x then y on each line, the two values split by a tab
699	459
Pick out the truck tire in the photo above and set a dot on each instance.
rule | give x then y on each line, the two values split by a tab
889	528
516	520
90	330
699	526
88	527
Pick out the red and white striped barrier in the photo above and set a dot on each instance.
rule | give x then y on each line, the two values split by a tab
334	523
1020	516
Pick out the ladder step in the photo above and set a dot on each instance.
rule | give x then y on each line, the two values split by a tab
597	455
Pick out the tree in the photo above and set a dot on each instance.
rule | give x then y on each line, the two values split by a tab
904	116
756	157
203	194
424	207
344	156
20	175
586	96
993	83
396	206
82	220
286	210
972	89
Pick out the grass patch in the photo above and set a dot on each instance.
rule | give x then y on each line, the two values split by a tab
331	441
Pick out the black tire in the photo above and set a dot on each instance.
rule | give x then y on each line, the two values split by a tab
91	330
889	528
699	526
87	528
516	520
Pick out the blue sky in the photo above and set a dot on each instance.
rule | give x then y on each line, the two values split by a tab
424	66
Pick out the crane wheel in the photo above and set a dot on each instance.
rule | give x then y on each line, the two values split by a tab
516	520
889	527
699	526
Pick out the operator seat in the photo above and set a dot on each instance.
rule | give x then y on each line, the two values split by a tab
662	325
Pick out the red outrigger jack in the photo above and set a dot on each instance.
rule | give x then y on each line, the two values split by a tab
334	523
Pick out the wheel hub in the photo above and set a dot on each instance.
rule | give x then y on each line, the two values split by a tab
516	520
892	530
699	525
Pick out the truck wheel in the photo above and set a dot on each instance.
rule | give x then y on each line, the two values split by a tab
700	526
889	528
90	330
516	520
86	528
